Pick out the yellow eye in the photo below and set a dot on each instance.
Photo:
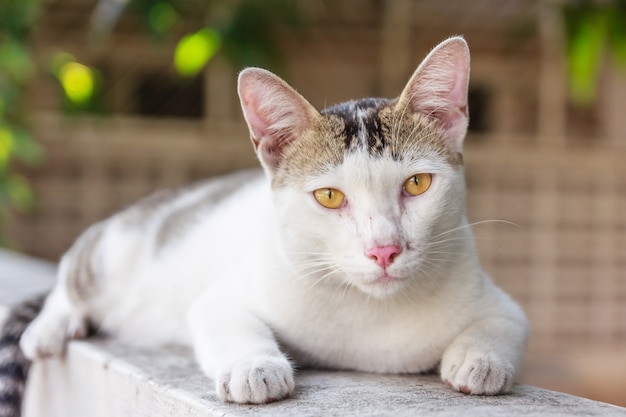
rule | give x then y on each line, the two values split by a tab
418	184
329	197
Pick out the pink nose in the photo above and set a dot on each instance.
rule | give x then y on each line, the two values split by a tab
384	255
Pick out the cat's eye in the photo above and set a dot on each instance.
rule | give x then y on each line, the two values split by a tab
418	184
329	197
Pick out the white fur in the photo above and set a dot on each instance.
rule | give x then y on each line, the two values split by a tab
309	286
267	277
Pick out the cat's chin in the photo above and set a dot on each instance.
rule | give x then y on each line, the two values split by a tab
383	286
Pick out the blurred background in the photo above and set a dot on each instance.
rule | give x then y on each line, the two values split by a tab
102	102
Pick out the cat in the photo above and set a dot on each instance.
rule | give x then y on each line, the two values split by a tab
350	250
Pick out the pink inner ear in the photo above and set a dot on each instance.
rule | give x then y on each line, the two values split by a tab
442	92
276	114
438	88
457	97
258	126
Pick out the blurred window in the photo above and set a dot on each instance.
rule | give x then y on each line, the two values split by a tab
163	95
478	101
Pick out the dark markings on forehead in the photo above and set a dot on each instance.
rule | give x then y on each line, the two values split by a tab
373	126
362	126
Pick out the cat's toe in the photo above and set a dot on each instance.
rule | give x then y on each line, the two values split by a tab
474	372
257	381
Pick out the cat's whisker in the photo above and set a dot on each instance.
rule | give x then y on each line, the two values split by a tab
314	284
311	256
320	279
315	273
420	286
319	270
433	266
438	252
311	264
306	274
470	225
443	242
346	287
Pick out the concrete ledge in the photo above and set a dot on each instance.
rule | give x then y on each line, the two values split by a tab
102	377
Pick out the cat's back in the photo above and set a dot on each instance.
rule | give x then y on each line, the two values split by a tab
150	261
184	228
170	210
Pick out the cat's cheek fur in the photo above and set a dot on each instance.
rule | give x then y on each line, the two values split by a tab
316	239
313	235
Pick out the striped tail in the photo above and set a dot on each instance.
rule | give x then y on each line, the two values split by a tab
13	365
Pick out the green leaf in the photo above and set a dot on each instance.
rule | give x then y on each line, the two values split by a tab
16	62
162	18
195	50
20	194
78	82
617	34
587	33
26	148
17	17
7	142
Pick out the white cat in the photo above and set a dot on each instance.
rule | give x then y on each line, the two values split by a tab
352	251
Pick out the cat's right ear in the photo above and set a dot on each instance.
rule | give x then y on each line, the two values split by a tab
276	114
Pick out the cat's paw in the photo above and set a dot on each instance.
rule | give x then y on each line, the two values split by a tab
48	333
474	371
257	381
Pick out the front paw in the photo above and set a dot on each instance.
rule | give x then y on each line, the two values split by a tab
474	371
49	332
257	381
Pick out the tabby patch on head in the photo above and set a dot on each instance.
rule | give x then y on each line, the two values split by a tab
369	126
293	139
363	128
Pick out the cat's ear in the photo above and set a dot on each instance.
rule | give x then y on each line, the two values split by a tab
276	114
438	89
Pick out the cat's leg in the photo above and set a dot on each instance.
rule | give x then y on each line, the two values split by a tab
239	352
58	321
64	314
485	357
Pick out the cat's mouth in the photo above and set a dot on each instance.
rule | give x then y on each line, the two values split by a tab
385	279
384	284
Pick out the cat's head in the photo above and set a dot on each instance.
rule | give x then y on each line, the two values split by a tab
366	191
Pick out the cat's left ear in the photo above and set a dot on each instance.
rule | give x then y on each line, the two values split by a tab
276	114
438	89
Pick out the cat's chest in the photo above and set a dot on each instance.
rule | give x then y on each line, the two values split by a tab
362	334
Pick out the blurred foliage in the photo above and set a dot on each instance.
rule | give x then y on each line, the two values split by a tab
249	32
194	50
592	30
81	85
245	32
17	68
